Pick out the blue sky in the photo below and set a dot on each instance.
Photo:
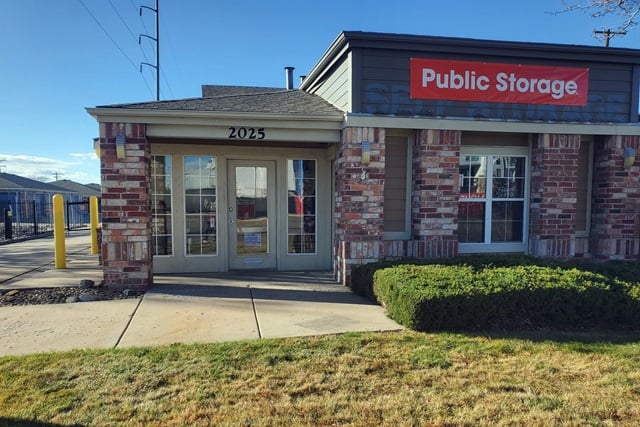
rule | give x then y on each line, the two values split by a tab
55	60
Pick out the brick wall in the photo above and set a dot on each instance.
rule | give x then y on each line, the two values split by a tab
126	207
359	200
616	200
435	193
554	183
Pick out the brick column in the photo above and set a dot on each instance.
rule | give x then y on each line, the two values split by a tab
126	207
436	189
359	200
554	186
616	199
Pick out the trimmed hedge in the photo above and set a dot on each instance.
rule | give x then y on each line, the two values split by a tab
437	297
504	292
362	275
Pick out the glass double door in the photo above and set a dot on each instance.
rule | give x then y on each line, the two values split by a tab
251	214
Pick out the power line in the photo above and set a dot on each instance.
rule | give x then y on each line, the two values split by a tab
113	41
108	35
144	55
122	20
141	20
171	50
166	82
157	40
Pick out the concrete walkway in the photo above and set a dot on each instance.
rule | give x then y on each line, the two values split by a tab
179	308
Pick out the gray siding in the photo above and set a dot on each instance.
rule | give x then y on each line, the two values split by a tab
335	89
384	89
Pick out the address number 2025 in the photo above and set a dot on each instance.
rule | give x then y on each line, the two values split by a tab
246	133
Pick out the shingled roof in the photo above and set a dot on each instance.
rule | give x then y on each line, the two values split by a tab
244	99
76	187
9	181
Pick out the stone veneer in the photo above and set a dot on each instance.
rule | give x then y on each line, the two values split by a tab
360	199
615	223
126	207
435	193
554	187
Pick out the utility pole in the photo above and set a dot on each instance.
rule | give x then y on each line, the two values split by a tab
608	35
157	40
57	175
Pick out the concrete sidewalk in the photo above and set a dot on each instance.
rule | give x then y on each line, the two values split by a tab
185	309
30	263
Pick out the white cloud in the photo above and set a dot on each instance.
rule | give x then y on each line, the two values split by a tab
78	168
85	156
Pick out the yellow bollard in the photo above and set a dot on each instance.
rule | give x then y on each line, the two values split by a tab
93	216
58	231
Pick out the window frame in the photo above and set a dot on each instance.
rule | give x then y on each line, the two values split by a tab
487	246
171	214
315	204
185	215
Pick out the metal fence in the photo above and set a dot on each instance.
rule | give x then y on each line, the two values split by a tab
77	215
27	219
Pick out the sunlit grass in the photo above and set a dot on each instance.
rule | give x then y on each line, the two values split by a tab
400	378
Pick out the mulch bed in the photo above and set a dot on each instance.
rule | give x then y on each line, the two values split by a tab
63	295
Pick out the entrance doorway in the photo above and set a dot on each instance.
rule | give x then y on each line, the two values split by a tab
252	214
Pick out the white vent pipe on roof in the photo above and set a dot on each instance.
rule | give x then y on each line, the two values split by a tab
289	77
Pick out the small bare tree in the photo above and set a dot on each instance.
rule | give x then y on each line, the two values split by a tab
626	10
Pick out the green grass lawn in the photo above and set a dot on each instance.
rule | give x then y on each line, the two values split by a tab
363	379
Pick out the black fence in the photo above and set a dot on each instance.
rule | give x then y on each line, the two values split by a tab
77	215
32	218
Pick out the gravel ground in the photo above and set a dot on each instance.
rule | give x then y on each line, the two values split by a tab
64	295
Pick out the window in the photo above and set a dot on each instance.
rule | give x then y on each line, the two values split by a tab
583	194
302	210
491	209
161	202
200	205
397	179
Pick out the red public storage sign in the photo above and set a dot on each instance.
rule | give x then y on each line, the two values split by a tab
495	82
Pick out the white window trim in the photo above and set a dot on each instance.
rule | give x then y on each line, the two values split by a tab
186	254
499	247
406	234
286	209
173	249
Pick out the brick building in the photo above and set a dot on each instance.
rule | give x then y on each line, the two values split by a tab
392	146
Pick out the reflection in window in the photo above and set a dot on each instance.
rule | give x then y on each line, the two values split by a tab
473	174
492	191
161	202
506	221
508	177
200	205
471	222
252	223
301	179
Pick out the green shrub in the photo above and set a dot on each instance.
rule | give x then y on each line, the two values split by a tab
484	296
362	275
